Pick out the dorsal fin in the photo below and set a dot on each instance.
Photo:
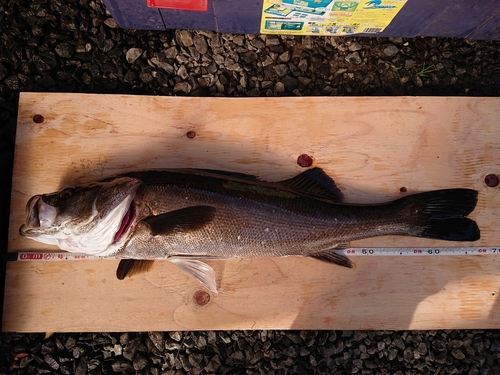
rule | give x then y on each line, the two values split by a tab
316	183
242	176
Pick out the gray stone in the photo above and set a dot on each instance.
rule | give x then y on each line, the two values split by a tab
238	356
358	363
82	368
108	45
441	358
70	343
182	72
439	345
353	58
393	354
268	61
294	337
200	44
410	64
51	361
354	46
186	38
281	69
233	66
171	53
398	341
130	348
408	354
458	354
307	42
257	43
12	82
422	348
456	343
133	54
254	92
93	364
195	359
111	23
391	50
291	351
226	339
290	83
495	346
76	352
303	65
177	336
47	81
121	365
272	40
213	365
140	361
284	57
182	87
65	50
45	61
3	71
162	65
239	40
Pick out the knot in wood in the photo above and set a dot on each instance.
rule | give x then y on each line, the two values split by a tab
201	298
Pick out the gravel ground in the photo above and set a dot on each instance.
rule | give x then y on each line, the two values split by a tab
75	46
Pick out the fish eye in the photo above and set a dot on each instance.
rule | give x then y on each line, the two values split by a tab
66	193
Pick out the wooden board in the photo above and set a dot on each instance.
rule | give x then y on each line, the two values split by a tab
371	147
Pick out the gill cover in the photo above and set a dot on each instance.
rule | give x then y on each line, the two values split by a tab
81	219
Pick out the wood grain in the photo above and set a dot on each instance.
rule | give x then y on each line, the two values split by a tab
371	147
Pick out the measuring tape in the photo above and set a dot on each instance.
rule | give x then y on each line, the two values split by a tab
419	251
28	256
350	252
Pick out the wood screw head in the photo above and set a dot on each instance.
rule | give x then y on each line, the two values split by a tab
304	160
38	119
491	180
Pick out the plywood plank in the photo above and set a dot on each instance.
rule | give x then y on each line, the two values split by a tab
371	147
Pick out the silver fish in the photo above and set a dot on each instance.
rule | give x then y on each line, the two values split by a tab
189	215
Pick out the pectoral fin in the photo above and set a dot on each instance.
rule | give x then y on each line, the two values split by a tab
130	267
198	269
183	220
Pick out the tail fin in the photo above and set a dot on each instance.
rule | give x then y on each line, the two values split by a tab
441	214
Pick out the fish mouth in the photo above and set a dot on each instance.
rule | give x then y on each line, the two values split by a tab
39	215
127	221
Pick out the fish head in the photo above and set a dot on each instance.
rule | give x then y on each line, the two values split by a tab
92	219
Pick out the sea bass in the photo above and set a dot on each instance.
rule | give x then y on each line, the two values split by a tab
190	215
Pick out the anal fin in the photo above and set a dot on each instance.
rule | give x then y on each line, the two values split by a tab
332	256
130	267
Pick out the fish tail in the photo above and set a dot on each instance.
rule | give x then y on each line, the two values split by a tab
441	214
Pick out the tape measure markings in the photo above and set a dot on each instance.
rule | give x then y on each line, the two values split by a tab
29	256
420	251
369	251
